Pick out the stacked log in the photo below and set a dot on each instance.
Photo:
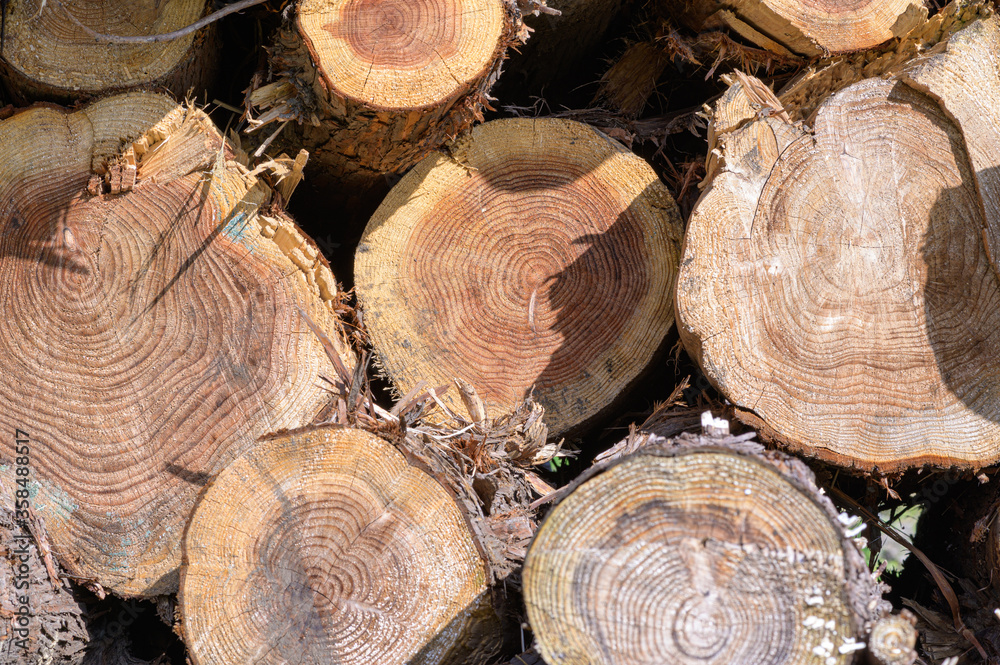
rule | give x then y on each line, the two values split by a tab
537	255
376	86
837	286
155	326
694	551
46	55
325	545
805	27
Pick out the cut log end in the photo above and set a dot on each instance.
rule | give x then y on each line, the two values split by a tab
155	325
839	286
46	56
402	54
538	254
696	555
325	545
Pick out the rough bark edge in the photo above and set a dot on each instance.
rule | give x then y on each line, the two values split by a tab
484	464
804	94
193	73
57	613
297	91
862	593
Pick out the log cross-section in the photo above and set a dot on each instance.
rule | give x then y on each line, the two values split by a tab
378	84
153	326
537	253
841	286
325	545
45	55
697	555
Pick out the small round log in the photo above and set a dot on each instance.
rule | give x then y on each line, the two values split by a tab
155	326
46	56
841	286
378	84
538	254
325	545
807	27
697	553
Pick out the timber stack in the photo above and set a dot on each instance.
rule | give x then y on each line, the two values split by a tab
434	409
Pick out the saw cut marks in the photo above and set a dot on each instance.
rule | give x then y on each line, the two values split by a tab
702	555
841	286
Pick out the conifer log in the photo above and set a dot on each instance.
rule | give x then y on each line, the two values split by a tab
840	286
696	551
378	84
154	326
803	94
46	56
325	545
537	254
805	27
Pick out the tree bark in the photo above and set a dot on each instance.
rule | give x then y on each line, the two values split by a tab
374	87
698	550
803	94
46	56
840	286
325	545
804	27
537	255
154	329
41	618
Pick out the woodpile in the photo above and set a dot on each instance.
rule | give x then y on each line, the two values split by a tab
432	407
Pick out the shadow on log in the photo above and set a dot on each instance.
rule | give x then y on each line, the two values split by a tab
537	254
155	325
839	286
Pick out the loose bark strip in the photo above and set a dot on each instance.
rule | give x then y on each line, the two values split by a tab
698	552
325	545
154	325
45	55
538	254
840	287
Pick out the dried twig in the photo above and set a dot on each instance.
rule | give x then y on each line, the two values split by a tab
165	37
939	579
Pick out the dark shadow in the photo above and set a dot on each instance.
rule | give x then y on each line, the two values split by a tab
194	477
595	299
961	249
